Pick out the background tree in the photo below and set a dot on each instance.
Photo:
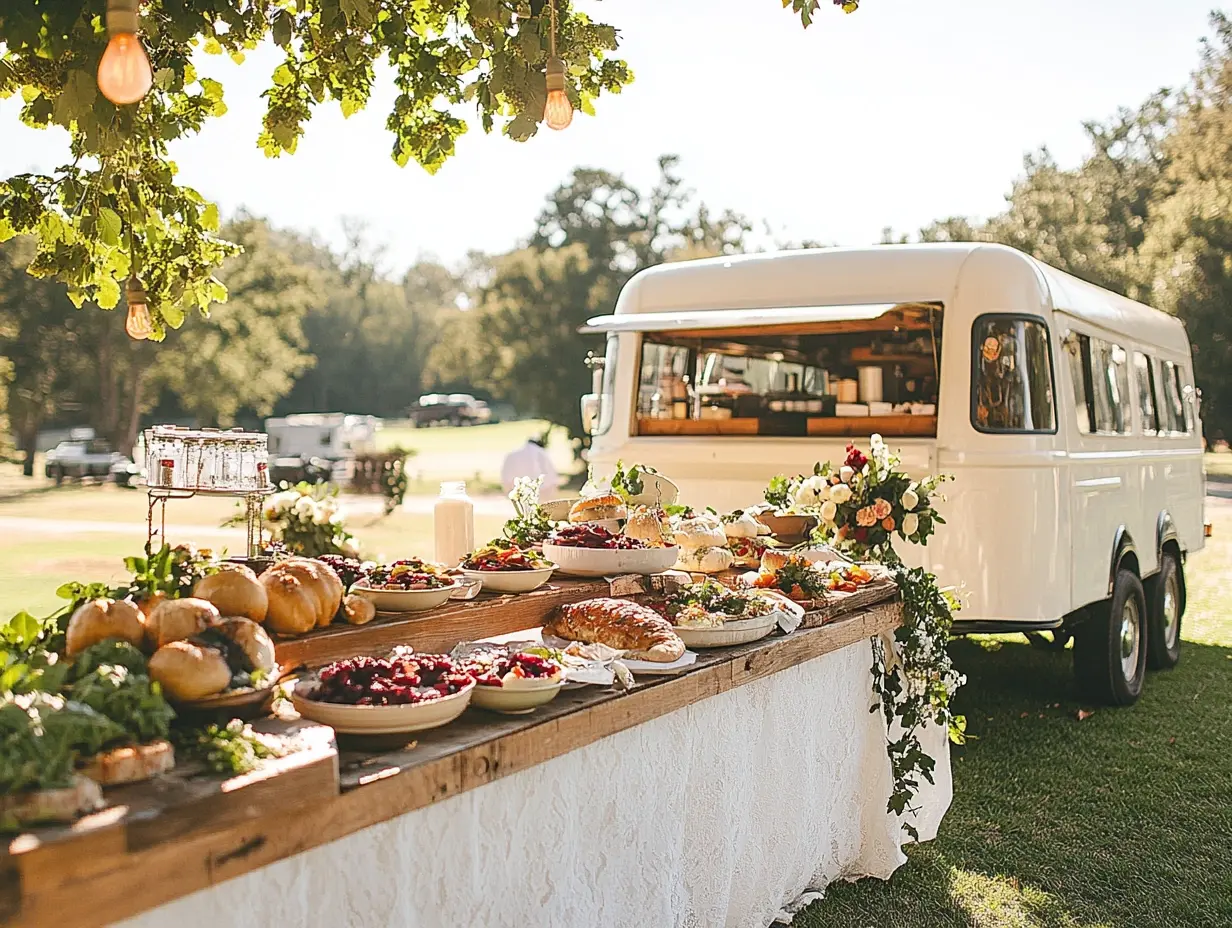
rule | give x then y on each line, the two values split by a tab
520	343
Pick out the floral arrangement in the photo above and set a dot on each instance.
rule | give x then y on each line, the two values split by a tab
861	506
305	518
530	526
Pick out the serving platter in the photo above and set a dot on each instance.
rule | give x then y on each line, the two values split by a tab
729	634
379	720
608	562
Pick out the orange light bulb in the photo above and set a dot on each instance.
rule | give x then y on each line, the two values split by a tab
124	74
558	112
138	325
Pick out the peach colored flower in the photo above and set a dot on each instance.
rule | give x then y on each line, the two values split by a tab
866	517
881	508
888	523
843	531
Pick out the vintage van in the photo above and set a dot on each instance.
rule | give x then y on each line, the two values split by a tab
1067	415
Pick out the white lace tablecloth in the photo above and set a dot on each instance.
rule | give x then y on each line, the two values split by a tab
721	813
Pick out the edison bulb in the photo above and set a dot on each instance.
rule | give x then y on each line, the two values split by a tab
559	111
124	74
139	325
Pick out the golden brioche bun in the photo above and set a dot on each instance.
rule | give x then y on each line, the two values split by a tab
188	671
252	639
235	591
358	611
599	509
176	619
100	619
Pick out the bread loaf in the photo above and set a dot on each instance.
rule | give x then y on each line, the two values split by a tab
100	619
302	593
618	623
176	619
235	591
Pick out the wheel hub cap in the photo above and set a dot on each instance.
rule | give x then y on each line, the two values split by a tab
1172	602
1130	638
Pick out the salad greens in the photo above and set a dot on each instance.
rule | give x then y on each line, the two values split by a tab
711	596
111	651
131	700
41	736
230	749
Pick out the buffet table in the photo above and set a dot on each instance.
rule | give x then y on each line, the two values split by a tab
717	796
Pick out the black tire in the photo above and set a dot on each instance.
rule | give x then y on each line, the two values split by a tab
1165	609
1110	647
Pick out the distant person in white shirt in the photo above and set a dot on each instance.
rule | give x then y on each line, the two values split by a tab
531	460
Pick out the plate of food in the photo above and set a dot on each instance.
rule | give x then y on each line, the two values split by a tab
637	631
710	615
503	567
227	665
385	696
514	681
411	585
593	551
803	580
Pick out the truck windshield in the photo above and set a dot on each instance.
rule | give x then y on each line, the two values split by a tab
845	378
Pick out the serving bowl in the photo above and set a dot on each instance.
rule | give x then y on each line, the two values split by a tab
405	600
729	634
789	529
609	562
510	581
379	720
517	699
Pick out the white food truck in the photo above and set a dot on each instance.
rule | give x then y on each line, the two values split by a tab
1067	415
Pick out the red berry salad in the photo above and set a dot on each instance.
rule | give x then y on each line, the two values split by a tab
396	681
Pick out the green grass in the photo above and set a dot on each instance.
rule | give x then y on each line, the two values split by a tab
1119	821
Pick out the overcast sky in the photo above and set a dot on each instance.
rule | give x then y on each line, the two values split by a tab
906	111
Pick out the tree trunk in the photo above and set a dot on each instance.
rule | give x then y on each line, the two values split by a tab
28	443
128	439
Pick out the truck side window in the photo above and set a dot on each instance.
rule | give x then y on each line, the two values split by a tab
1078	351
1011	375
1174	407
1144	377
1110	387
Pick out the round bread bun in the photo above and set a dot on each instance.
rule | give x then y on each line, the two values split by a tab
319	580
650	527
772	560
293	604
188	671
150	603
252	639
235	591
176	619
358	611
599	509
100	619
701	532
705	560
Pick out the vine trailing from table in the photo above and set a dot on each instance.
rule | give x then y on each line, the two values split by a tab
860	507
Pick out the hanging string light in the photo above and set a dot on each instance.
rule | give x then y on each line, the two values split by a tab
138	325
558	112
124	74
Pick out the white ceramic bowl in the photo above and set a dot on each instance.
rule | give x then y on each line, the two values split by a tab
379	720
405	600
729	634
517	700
510	581
610	562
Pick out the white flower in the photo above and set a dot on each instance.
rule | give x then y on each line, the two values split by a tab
841	493
348	549
829	511
845	474
910	499
875	441
911	522
305	506
805	497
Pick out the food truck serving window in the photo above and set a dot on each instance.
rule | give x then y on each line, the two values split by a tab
1011	375
828	378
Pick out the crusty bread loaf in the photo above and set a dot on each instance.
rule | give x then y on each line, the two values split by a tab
188	671
618	623
302	593
100	619
176	619
235	591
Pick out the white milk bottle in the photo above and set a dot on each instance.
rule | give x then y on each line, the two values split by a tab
454	522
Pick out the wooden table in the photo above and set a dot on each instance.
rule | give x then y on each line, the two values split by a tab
165	839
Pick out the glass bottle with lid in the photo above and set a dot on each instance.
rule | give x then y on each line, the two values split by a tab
453	520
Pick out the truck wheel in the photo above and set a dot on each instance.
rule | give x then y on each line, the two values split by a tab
1163	646
1110	647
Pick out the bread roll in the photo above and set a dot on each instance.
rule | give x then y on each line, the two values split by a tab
702	532
251	639
188	671
150	603
772	560
235	591
650	527
705	560
176	619
743	526
302	594
599	509
100	619
358	611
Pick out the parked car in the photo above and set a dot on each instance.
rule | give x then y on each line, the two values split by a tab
1067	415
302	468
449	409
77	460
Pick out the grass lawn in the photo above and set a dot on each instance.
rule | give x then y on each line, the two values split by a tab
1123	820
